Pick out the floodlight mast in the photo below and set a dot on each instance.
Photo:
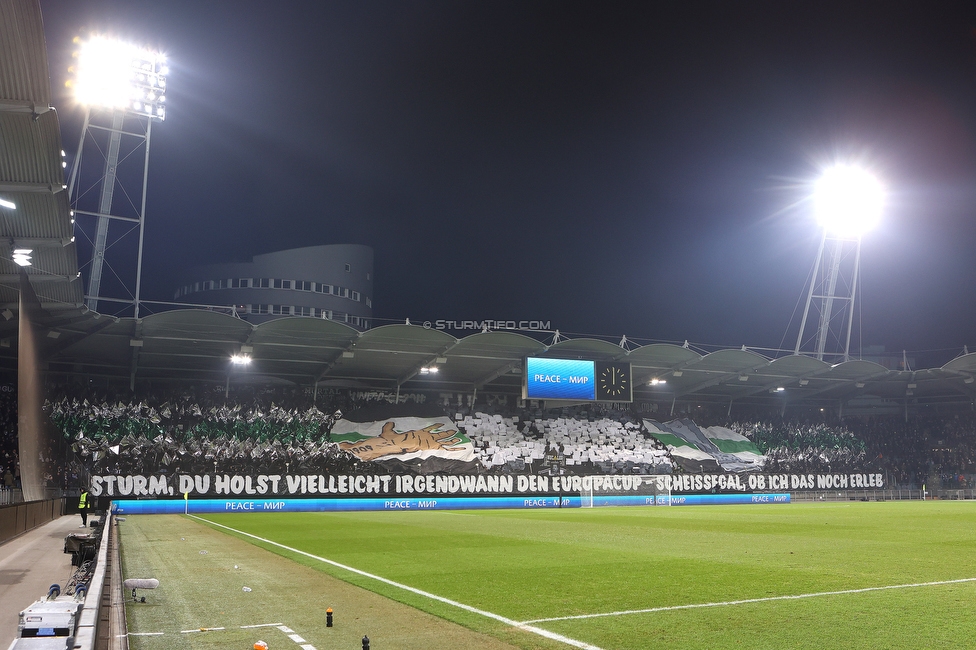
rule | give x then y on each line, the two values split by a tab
848	203
123	83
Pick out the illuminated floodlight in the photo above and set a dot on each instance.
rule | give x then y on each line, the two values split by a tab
240	359
10	205
658	382
848	201
122	76
22	256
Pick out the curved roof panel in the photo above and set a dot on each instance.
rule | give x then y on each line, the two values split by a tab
585	349
662	355
298	348
963	363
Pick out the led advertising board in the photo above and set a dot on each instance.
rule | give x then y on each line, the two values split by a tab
559	379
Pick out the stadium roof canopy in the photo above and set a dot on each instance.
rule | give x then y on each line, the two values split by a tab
197	345
31	170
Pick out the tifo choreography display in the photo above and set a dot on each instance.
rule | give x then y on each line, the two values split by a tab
202	445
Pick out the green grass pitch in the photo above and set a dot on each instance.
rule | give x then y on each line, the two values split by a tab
549	564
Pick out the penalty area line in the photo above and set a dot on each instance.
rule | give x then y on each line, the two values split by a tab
420	592
746	601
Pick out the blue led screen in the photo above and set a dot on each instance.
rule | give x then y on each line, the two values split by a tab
559	379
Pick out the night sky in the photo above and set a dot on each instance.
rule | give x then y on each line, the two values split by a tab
613	168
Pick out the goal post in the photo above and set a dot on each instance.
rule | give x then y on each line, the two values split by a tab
633	490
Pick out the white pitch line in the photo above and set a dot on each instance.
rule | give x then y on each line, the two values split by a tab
726	603
420	592
248	627
202	629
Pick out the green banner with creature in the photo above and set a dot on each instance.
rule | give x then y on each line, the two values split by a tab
405	438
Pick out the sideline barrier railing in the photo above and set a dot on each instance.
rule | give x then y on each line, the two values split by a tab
883	495
87	632
10	496
954	494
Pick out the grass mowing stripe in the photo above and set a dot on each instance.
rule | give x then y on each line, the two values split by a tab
474	610
727	603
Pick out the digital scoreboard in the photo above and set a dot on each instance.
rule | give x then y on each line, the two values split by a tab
577	379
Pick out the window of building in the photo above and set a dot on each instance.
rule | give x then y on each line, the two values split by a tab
240	283
221	284
355	296
369	275
369	303
348	268
303	285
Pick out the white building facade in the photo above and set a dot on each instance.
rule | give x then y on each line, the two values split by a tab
333	282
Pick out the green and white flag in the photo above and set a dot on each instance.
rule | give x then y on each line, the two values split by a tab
730	442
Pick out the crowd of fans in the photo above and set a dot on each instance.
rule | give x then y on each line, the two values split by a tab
805	448
140	437
9	460
196	429
937	451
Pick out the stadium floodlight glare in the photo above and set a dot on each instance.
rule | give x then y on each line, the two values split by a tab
10	205
22	256
658	382
240	359
118	75
848	201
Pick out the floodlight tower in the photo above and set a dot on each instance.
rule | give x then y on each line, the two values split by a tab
123	88
848	202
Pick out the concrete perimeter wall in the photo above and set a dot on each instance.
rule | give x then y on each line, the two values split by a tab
20	517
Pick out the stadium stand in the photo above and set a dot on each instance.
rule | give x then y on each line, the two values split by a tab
9	460
195	428
804	448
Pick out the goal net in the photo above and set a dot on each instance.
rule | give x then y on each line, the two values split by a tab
616	490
